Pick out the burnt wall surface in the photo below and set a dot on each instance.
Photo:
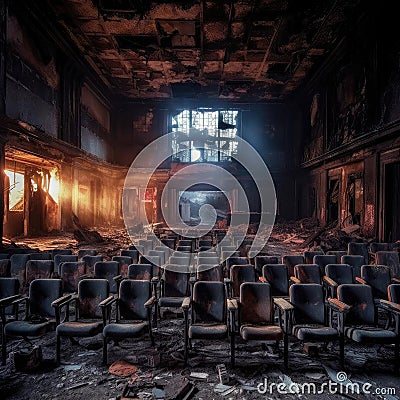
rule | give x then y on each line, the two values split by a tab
56	109
268	128
351	119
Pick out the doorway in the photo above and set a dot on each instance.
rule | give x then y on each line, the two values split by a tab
391	211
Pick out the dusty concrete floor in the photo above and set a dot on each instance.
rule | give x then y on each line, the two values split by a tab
81	374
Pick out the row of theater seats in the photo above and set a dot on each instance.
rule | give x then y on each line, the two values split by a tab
302	316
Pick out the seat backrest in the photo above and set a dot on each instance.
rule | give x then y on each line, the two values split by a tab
256	306
394	292
210	273
147	245
240	274
236	261
4	256
355	261
160	254
390	259
38	269
277	276
209	302
169	242
134	254
8	287
207	253
291	261
308	273
184	249
361	300
86	252
124	262
70	273
260	261
107	270
63	252
180	260
132	296
176	284
375	247
205	243
42	292
165	250
309	255
60	258
378	277
308	302
90	261
90	293
140	272
358	249
338	253
4	267
323	260
340	273
213	260
40	256
137	247
17	267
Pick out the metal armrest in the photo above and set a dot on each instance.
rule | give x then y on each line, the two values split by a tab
294	279
360	280
227	281
150	302
155	279
329	281
338	305
186	303
389	306
192	280
283	304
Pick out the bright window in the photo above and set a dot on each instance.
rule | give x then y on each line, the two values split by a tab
204	135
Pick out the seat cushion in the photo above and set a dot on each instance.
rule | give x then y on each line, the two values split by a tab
261	332
362	334
170	302
208	331
25	328
122	331
79	329
314	333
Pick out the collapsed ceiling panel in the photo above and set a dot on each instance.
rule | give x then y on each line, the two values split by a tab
148	49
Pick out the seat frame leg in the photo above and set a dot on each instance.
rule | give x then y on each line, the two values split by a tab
341	355
58	348
4	348
285	351
104	350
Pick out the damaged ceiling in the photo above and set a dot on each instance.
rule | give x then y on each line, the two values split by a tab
239	50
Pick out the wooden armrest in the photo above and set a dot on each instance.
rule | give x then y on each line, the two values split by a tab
118	278
6	301
294	279
155	279
262	279
283	304
390	306
360	280
329	281
227	281
395	280
232	304
186	303
338	305
108	301
150	302
62	300
192	280
20	300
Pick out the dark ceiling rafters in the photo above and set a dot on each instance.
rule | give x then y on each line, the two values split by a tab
248	50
